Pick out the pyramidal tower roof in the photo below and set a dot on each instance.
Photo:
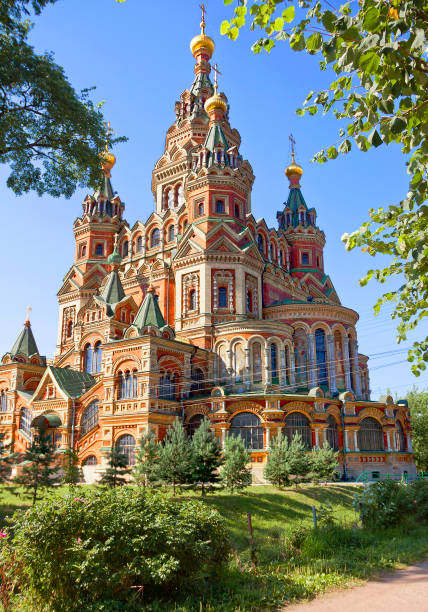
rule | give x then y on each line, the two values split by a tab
25	344
149	313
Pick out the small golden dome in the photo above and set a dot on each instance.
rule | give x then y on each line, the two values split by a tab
215	102
293	168
108	160
202	41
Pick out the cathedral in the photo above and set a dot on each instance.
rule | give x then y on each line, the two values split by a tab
201	311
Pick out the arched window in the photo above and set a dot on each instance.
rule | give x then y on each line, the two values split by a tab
400	440
222	297
305	258
170	199
193	424
25	421
270	252
185	224
69	329
280	258
351	361
219	156
120	385
167	387
97	357
89	418
171	233
248	426
236	210
126	445
370	435
197	380
180	195
321	356
297	423
274	363
219	206
239	362
99	250
331	433
192	299
3	401
134	384
83	253
88	358
200	209
257	362
249	300
91	460
260	244
155	238
139	244
125	248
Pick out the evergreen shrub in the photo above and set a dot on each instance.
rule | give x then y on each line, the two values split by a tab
111	549
382	504
418	499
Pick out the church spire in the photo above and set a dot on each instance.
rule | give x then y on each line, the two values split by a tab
202	47
25	345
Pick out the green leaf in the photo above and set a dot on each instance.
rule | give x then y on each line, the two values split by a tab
288	14
297	42
224	27
387	105
397	125
314	42
374	139
369	62
329	20
332	153
345	146
371	19
278	24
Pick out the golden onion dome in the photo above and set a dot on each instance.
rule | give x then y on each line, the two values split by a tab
108	160
214	103
293	168
202	41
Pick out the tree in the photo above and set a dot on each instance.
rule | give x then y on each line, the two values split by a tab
145	470
235	474
323	462
114	475
6	459
206	455
40	469
50	136
72	471
175	457
298	459
377	51
418	405
277	470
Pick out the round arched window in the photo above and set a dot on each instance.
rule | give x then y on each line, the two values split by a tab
248	426
25	421
126	445
331	433
91	460
297	423
194	423
400	441
155	238
89	418
370	435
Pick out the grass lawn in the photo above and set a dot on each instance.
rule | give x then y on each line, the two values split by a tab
292	560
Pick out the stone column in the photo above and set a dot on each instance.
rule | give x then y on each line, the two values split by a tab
348	382
267	438
357	370
230	367
356	440
331	363
292	370
283	373
223	437
409	443
317	438
311	361
267	378
247	376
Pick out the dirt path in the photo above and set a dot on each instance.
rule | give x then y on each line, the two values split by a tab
401	591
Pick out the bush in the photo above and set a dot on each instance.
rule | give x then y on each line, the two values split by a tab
418	499
382	504
111	548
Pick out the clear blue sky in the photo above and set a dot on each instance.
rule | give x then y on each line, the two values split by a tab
137	55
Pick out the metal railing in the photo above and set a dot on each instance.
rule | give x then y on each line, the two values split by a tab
405	477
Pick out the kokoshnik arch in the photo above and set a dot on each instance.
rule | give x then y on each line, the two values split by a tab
201	311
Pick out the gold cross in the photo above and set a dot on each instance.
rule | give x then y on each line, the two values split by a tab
293	142
217	72
115	241
108	132
29	309
203	9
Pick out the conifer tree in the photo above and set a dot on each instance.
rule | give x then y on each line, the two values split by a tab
145	470
114	475
72	472
277	470
6	459
235	474
323	462
299	461
39	470
175	457
206	455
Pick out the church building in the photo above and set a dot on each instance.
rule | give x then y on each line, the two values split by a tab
201	311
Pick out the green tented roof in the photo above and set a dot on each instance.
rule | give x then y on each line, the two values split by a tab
113	291
149	313
214	137
25	343
106	189
72	382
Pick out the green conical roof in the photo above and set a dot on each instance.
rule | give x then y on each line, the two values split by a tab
25	343
105	189
214	137
112	293
149	313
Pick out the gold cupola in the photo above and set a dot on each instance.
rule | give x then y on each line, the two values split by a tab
216	102
293	168
202	42
108	160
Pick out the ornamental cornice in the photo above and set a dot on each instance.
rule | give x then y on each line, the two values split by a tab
311	311
298	406
251	326
171	170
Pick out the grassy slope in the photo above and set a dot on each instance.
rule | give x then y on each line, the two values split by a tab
285	572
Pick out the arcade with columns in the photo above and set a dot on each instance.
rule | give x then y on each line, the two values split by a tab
203	310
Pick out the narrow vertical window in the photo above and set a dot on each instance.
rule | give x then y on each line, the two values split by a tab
222	297
88	358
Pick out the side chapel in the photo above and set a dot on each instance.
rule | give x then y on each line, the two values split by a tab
202	310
